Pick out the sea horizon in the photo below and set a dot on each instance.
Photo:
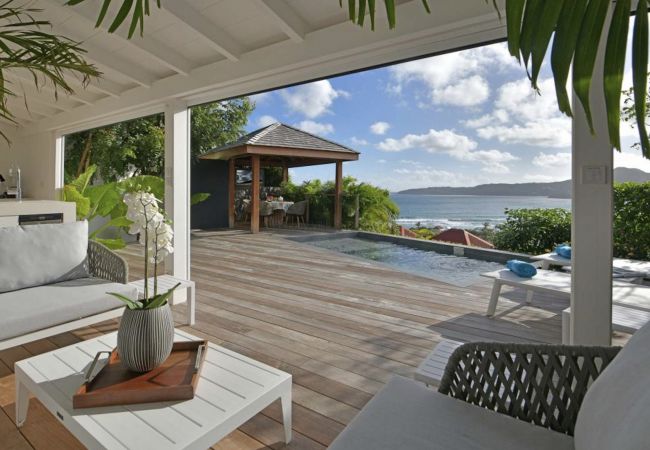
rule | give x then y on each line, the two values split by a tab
465	211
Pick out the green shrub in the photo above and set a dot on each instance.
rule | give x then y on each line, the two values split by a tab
632	220
533	231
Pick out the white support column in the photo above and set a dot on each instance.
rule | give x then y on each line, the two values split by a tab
177	187
59	161
592	211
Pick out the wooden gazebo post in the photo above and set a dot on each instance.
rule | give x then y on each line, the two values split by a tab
255	194
232	187
338	189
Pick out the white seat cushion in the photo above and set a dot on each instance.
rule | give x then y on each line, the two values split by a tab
32	309
615	411
42	254
407	415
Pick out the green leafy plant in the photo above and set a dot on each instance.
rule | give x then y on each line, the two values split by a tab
631	219
47	57
377	212
533	231
537	231
106	200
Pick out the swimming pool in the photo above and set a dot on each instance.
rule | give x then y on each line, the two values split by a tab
455	270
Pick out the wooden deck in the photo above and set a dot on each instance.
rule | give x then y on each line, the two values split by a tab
340	325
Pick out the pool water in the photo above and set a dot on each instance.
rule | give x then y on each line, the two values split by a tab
454	270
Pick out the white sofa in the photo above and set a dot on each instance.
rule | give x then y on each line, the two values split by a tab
53	279
474	410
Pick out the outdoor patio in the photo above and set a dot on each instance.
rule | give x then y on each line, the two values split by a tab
340	325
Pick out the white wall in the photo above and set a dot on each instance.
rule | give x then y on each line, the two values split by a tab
7	150
35	154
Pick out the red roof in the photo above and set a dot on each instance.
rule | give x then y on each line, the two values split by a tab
463	237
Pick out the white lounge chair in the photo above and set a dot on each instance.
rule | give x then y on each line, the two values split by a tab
549	281
432	368
622	268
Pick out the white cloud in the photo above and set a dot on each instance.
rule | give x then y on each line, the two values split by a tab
379	127
381	161
358	141
315	127
266	120
312	99
552	160
405	178
454	78
631	158
444	141
540	178
453	144
467	92
260	98
521	116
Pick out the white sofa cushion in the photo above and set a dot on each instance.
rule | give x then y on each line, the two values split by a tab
407	415
32	309
35	255
614	413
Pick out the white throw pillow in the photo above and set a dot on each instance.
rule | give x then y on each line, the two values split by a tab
614	413
42	254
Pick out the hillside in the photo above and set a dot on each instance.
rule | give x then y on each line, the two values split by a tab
557	189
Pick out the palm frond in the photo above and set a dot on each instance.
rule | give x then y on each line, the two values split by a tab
574	27
47	57
136	9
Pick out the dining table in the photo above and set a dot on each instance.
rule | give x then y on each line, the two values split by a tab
279	210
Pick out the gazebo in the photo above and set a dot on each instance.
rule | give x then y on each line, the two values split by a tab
279	145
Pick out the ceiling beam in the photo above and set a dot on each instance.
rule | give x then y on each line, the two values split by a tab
107	59
165	55
286	18
221	41
100	85
45	86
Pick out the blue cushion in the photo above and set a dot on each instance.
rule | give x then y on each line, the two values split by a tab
521	268
564	251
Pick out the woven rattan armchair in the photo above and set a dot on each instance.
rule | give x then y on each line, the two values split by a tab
106	264
540	384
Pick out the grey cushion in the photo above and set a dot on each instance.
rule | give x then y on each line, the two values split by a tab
407	415
615	413
32	309
41	254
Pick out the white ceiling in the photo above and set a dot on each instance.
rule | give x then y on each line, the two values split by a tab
202	50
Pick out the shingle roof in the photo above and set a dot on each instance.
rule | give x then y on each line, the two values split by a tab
281	135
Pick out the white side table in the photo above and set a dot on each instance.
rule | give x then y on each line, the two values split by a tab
166	282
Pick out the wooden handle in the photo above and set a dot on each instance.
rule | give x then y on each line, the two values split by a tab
199	354
89	376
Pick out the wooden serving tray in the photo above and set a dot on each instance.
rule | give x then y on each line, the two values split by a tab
175	379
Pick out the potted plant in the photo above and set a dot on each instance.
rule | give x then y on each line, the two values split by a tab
146	333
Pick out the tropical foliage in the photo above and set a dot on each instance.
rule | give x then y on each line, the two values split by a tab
26	44
137	147
631	219
533	231
106	201
537	231
377	212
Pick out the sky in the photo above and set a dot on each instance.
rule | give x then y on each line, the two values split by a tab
458	119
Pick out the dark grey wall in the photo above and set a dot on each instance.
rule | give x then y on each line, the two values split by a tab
210	176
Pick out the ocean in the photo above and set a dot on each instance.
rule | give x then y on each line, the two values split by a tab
465	211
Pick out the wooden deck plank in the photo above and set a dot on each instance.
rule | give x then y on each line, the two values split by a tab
342	326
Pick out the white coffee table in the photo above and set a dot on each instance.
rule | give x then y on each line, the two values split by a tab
232	389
